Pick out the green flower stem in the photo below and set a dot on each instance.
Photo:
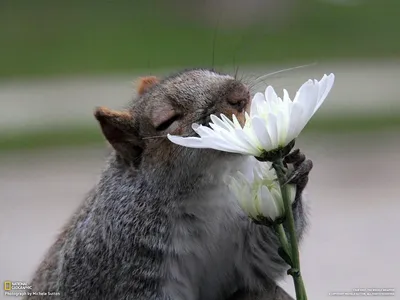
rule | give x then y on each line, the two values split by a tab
294	253
283	239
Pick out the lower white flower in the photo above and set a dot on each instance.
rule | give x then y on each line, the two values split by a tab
259	194
272	123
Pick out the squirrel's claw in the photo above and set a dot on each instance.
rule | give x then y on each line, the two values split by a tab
295	158
302	167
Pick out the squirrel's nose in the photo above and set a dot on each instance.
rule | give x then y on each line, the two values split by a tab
239	98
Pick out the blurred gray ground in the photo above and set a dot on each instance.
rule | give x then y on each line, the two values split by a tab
361	88
354	191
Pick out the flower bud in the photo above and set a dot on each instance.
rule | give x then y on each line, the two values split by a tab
259	194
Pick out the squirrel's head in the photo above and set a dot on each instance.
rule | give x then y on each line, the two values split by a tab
172	105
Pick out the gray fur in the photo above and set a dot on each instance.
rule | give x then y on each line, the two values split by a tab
162	225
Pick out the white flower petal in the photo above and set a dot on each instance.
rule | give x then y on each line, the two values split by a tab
292	192
237	139
287	103
245	192
268	205
294	121
305	85
257	101
248	167
247	120
282	125
227	120
270	94
206	141
204	131
257	173
257	201
236	122
276	194
308	95
326	86
273	131
248	144
232	148
192	142
219	123
286	97
223	146
261	132
308	99
224	140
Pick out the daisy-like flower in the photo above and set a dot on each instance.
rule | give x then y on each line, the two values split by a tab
272	124
258	193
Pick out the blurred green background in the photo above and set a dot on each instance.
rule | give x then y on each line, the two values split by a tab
44	38
49	40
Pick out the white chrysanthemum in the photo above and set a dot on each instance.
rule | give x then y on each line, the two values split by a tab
259	194
273	122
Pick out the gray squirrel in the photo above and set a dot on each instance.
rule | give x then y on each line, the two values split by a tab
161	224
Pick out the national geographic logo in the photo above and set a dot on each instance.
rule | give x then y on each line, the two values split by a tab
17	285
16	288
7	285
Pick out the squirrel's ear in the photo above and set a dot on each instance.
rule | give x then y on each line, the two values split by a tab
120	131
145	83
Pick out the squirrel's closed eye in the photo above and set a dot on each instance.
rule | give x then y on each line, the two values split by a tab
168	122
238	104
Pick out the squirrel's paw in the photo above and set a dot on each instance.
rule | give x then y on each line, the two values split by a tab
300	170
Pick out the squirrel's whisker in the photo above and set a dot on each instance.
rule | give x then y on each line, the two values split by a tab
262	77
